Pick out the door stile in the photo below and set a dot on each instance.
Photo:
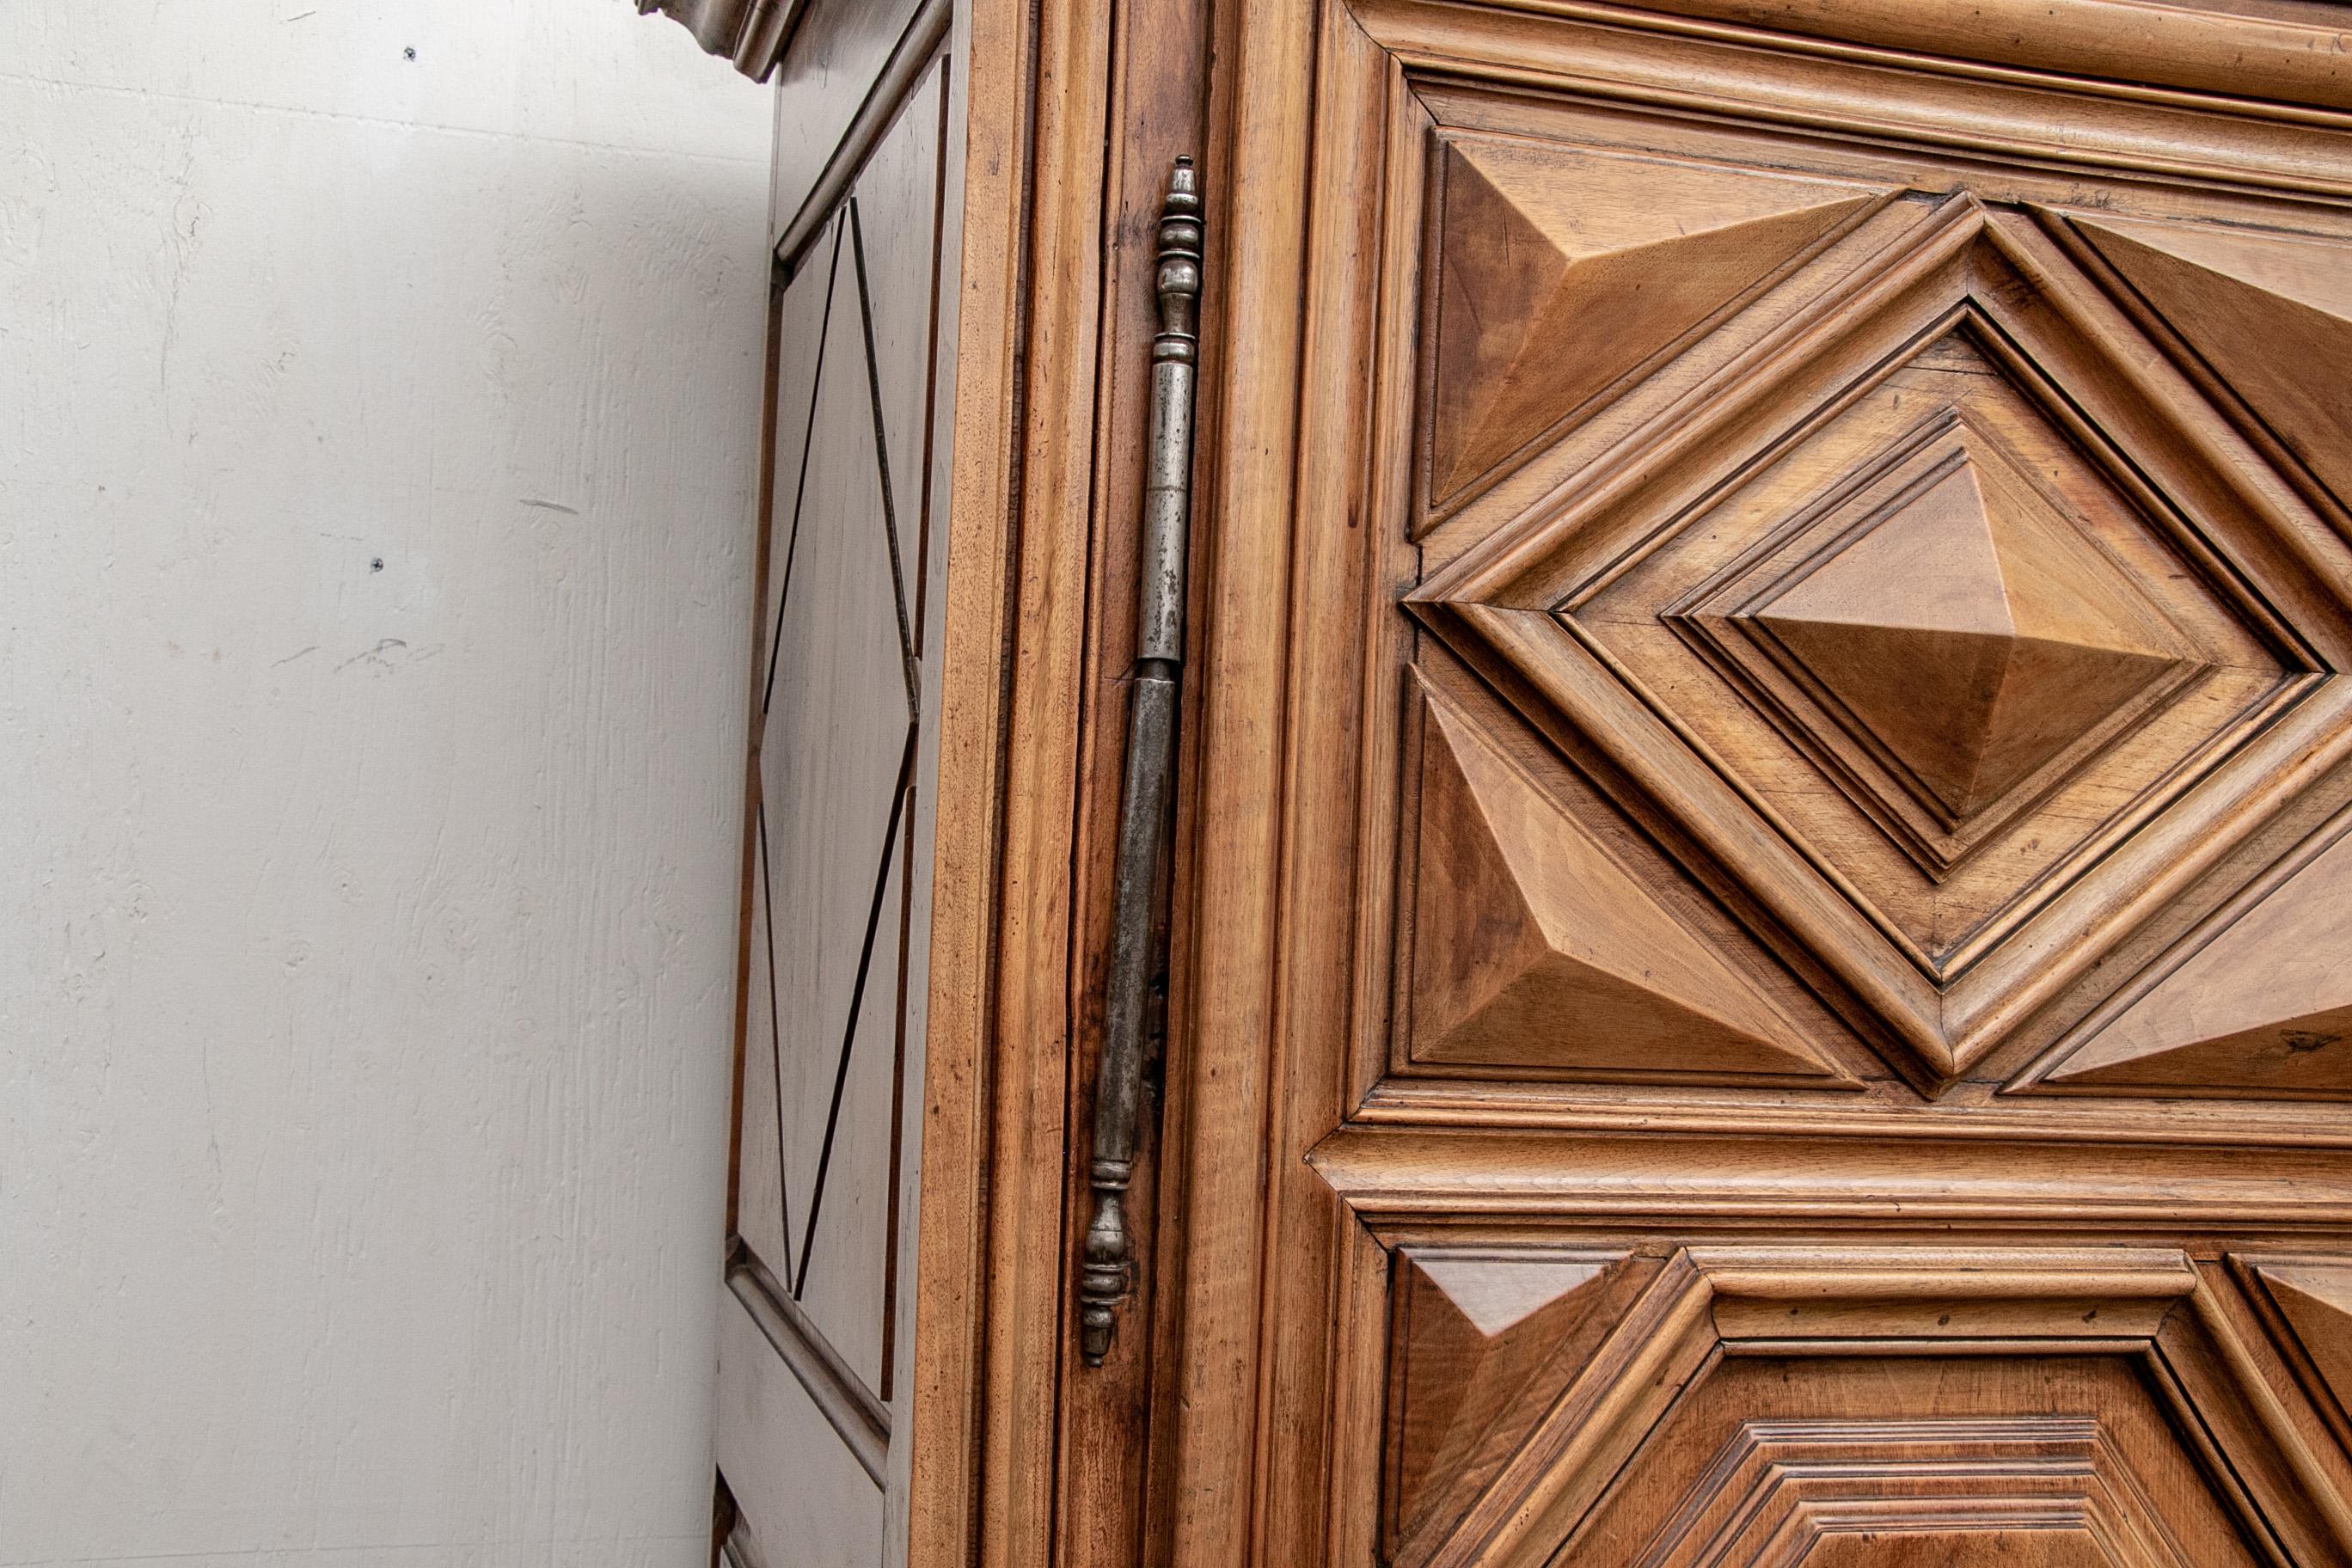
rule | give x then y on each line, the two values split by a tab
985	1374
1224	1090
1039	440
1392	128
1321	1447
1156	76
1267	1255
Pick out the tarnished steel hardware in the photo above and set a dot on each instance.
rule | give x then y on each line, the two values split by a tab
1108	1272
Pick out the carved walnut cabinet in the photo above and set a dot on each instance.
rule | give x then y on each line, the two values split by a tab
1742	956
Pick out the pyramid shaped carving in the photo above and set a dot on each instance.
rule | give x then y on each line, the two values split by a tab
1534	946
2315	1298
1823	1404
1972	633
1948	627
2240	299
2263	1001
1563	269
1486	1340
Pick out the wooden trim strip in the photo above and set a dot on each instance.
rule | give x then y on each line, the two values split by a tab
1390	1177
984	1382
2246	50
1224	1187
913	55
736	1551
854	1412
1774	80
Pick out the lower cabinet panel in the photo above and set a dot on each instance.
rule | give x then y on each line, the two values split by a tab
803	1501
1677	1406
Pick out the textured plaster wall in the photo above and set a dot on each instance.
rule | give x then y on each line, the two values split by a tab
375	441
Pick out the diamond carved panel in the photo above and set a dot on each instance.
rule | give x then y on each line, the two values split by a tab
1948	618
2055	1492
1487	1341
2257	999
1778	1406
2237	298
1945	639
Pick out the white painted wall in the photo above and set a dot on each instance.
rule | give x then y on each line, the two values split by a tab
375	438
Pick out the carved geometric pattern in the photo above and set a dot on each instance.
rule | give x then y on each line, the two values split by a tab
2053	1491
1490	1340
1923	617
1974	644
1986	754
2271	315
839	718
1535	947
2312	1300
1906	1405
2258	999
1551	291
1969	638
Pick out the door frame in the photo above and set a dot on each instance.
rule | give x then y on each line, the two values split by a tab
1020	1457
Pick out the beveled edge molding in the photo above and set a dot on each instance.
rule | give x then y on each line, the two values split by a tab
747	34
1976	1111
836	1391
2253	1273
1395	1178
2128	47
911	57
1602	53
1708	1302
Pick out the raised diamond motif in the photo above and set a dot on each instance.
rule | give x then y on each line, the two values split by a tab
1926	625
1939	603
1511	970
1549	295
1968	638
1963	644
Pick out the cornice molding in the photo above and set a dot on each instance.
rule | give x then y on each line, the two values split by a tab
749	33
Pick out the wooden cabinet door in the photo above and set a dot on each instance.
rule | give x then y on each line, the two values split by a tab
1767	919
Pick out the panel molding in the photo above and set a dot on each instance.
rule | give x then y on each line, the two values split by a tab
1782	1488
2150	1306
2306	1302
1783	79
1397	1179
849	1406
2119	48
910	57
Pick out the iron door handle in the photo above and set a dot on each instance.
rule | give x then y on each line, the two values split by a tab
1108	1271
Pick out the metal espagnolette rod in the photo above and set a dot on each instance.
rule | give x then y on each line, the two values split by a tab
1108	1272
